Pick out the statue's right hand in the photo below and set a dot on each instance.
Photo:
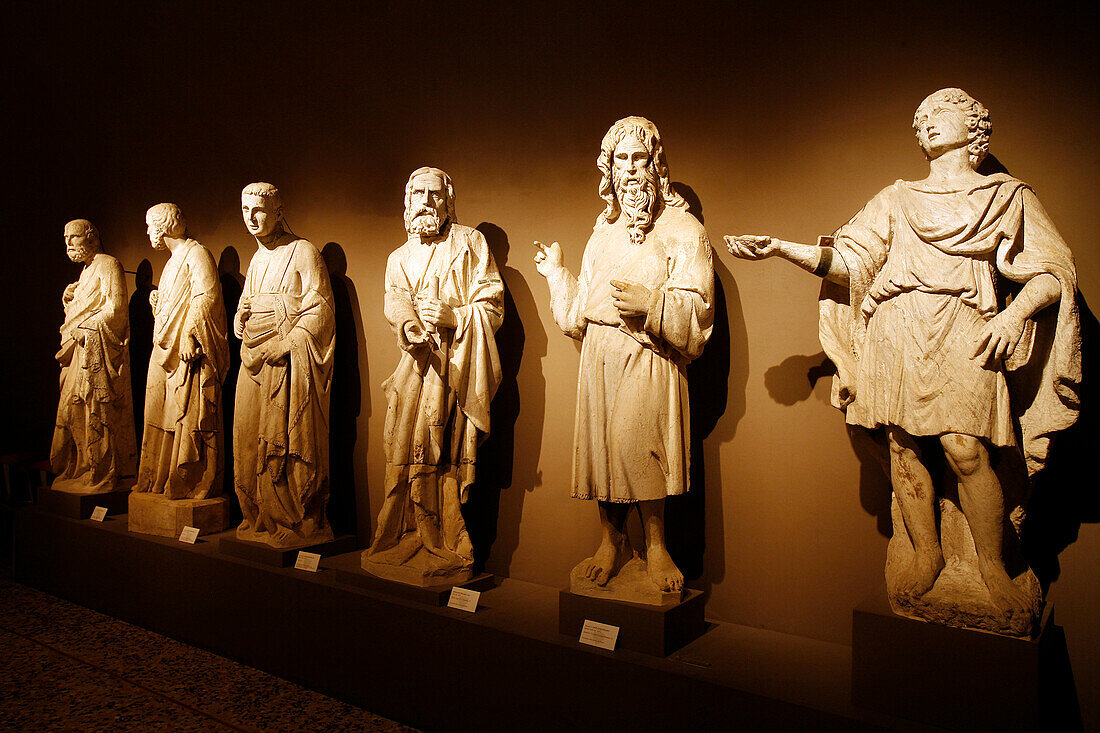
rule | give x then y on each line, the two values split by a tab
548	259
153	297
244	309
751	246
70	293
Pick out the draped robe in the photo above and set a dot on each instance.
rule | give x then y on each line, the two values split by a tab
93	445
437	400
181	449
928	269
631	433
280	427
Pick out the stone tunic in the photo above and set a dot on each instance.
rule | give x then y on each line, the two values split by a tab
631	433
928	270
280	430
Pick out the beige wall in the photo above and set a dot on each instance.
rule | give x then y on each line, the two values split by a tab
774	132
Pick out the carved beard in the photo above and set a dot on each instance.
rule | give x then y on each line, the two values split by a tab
637	200
424	221
79	253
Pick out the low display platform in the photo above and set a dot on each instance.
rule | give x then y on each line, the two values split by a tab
347	569
657	630
279	557
961	679
81	506
154	514
433	667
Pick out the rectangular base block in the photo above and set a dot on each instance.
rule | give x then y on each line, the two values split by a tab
657	630
282	558
81	506
347	569
156	515
957	678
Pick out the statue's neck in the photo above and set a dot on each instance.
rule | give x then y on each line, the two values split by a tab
271	240
951	169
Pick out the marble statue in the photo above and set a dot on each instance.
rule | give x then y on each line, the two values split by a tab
935	312
445	300
280	429
181	450
93	450
643	307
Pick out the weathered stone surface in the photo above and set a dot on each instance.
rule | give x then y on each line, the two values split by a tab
157	515
280	424
94	447
928	344
643	305
181	448
445	300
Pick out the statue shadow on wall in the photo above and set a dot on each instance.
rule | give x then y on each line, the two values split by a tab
141	342
346	398
686	520
492	514
232	283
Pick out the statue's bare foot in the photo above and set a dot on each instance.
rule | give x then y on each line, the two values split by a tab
1005	594
606	561
662	571
283	537
918	577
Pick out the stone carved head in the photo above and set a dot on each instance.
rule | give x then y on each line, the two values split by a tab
164	220
949	109
634	176
429	202
262	209
81	240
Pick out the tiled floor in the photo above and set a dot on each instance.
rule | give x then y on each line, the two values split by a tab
64	667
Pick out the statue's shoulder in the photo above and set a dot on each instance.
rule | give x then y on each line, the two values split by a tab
199	255
468	235
106	264
681	225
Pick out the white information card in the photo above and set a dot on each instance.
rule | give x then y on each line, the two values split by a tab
189	535
463	599
99	514
308	561
594	633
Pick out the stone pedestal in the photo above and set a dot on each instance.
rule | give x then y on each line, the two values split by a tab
282	557
347	569
657	630
156	515
81	506
962	679
411	564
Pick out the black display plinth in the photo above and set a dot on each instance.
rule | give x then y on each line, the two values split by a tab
657	630
278	557
957	678
81	506
348	569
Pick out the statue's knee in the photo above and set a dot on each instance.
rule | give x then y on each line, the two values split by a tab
965	454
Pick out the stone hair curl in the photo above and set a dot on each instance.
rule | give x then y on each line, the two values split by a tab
978	124
448	185
168	219
646	133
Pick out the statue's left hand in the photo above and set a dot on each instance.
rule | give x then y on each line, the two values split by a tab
997	340
630	298
437	313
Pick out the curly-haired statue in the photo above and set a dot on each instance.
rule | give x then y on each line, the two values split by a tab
280	422
180	473
643	307
935	312
445	300
93	448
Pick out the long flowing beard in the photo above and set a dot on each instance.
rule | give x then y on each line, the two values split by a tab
423	222
637	202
